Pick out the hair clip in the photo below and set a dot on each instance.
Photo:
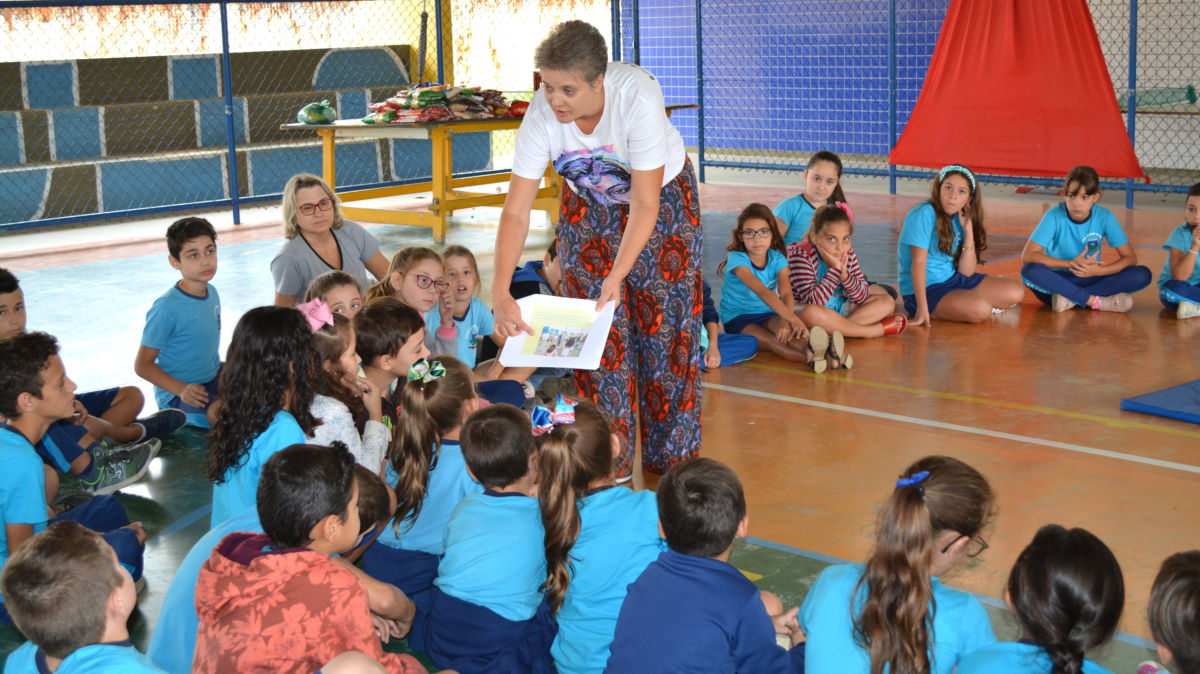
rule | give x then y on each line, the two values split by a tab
957	168
317	313
845	209
914	479
426	371
544	419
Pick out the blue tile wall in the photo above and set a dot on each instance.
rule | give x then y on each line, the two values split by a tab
271	168
182	180
10	138
77	134
194	77
212	122
359	68
412	159
24	190
50	85
351	104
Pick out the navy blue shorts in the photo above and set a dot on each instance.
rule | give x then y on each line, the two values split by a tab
738	323
60	445
935	292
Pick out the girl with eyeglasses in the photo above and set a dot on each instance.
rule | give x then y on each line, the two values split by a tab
320	239
893	613
756	296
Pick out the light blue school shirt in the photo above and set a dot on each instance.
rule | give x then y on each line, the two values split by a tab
920	230
618	539
494	554
1013	657
473	326
797	213
173	643
118	658
23	487
240	488
736	298
960	624
1065	239
186	330
1180	239
449	482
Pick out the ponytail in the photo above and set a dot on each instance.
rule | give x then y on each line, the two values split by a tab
935	494
571	456
427	408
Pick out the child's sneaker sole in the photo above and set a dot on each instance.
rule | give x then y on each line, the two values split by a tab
1119	303
818	343
125	465
1187	310
1059	304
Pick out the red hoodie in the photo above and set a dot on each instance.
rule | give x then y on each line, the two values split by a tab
290	610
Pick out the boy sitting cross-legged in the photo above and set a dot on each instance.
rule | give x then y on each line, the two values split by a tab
71	597
180	343
691	610
34	393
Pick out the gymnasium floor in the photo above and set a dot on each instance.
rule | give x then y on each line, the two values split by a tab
1030	398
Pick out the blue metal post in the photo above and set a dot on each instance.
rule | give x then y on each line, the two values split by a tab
891	92
1131	100
231	138
637	32
700	84
437	23
616	31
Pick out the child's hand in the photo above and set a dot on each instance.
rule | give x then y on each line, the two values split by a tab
792	329
446	306
787	622
372	397
1084	266
194	395
964	217
844	266
1196	239
920	318
81	413
712	357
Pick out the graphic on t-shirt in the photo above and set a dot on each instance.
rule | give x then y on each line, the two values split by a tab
1091	244
599	170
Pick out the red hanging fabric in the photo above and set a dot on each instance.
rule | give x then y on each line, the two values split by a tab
1018	87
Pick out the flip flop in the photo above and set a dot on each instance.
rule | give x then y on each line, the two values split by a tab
818	343
837	351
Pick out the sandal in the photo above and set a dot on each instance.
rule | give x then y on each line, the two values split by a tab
837	351
818	344
894	324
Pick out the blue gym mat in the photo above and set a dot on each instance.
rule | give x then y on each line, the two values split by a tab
1178	402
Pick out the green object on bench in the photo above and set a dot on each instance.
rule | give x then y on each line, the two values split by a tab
1160	96
317	113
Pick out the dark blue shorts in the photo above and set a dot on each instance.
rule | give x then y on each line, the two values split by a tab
60	445
935	292
738	323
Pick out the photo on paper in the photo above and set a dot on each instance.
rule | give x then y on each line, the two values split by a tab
560	341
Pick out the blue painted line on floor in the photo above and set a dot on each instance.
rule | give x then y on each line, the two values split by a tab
184	522
983	599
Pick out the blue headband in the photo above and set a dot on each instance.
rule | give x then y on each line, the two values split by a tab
960	169
914	479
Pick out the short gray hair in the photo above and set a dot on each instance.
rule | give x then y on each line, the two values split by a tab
574	46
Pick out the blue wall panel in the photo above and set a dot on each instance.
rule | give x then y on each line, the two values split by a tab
143	183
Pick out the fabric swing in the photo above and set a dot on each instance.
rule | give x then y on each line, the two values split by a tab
1018	87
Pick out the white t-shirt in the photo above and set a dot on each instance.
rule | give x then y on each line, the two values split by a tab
633	133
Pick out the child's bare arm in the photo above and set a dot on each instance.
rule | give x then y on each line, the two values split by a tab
386	600
146	368
17	534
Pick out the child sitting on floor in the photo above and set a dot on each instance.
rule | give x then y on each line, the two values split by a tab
34	393
1179	282
278	601
722	349
70	596
1062	259
179	351
488	611
822	186
691	610
1174	618
337	289
388	338
78	445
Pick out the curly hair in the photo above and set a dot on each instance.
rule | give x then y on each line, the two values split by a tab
23	358
271	365
754	211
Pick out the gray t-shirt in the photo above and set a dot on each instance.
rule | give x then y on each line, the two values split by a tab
297	264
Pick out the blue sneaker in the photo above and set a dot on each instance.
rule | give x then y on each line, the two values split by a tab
162	423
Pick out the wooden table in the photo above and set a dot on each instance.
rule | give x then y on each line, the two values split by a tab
447	195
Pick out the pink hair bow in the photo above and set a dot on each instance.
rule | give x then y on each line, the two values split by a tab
846	209
317	314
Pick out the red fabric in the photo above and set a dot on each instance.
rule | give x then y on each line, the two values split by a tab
1018	87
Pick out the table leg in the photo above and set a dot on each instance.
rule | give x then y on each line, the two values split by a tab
443	170
328	157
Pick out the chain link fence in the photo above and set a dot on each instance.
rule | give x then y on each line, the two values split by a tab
782	79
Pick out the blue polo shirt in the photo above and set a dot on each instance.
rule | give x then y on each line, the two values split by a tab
920	230
23	487
694	614
1180	239
186	330
1014	657
797	213
1065	239
494	554
449	482
115	658
960	624
736	298
239	490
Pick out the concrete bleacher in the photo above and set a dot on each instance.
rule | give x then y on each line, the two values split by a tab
114	134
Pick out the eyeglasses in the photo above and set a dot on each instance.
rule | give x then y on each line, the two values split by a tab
975	545
756	233
423	282
324	205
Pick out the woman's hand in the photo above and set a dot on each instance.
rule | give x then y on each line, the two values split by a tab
508	321
610	290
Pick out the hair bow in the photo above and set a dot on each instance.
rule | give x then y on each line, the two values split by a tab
317	314
845	209
545	419
915	478
957	168
426	371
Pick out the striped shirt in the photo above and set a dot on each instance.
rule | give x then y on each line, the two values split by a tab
814	283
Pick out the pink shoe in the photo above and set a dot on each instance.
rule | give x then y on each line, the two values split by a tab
894	324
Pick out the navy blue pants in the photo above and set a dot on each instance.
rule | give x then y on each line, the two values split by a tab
60	446
413	572
473	639
1044	282
1173	292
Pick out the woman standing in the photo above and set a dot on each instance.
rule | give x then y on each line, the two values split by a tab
320	239
629	232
